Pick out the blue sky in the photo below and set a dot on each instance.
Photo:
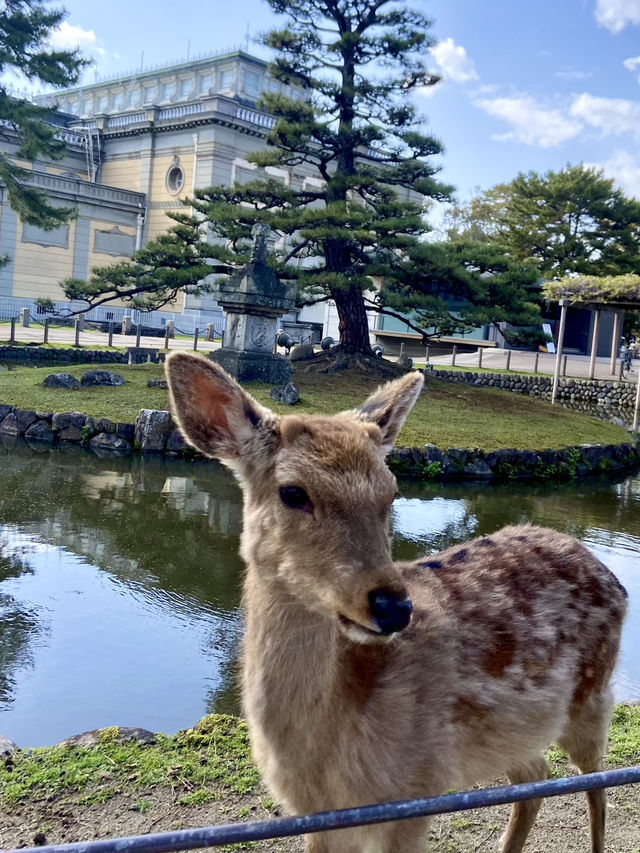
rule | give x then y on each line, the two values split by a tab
527	85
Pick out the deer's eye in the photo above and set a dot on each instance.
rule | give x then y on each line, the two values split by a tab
296	498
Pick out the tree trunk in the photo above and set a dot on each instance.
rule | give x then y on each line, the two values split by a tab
352	321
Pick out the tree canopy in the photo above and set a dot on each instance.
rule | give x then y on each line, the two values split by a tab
571	221
25	26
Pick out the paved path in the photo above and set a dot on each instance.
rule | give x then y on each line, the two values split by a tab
492	359
496	359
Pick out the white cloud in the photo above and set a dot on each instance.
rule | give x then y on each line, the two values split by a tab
70	37
613	116
454	62
616	14
633	65
574	75
625	171
533	123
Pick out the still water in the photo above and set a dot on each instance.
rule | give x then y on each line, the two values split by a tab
120	581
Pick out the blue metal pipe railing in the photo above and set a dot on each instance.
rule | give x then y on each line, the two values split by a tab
236	833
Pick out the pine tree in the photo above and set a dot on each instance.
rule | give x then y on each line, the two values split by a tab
25	26
356	62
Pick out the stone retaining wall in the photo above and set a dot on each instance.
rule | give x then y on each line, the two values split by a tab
156	432
581	394
62	356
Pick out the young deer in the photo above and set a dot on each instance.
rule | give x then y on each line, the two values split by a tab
367	681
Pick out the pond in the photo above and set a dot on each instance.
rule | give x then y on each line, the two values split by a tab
120	581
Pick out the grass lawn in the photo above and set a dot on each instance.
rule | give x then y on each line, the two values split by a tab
447	415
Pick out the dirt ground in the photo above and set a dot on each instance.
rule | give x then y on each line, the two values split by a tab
562	825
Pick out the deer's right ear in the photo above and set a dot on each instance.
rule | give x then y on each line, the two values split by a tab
214	413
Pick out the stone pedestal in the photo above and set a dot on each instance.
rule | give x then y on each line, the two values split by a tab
253	300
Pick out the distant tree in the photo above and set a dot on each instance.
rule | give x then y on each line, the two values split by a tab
25	26
356	62
451	287
572	221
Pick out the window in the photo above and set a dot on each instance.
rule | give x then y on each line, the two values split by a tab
166	90
101	105
205	83
185	88
175	179
149	94
226	79
252	83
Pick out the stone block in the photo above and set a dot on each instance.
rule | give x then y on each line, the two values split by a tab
152	430
254	367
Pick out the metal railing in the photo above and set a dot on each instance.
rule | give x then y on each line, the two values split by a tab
286	827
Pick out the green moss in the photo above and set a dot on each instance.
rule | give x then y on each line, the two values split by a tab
214	754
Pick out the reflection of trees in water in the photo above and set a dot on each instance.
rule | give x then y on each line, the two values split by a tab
19	625
156	523
576	508
167	530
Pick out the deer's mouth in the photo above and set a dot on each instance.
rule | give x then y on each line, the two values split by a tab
359	633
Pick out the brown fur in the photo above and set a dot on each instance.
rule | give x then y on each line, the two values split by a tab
511	647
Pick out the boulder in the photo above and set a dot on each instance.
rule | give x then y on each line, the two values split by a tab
17	422
288	394
105	425
109	441
158	383
152	430
126	431
4	411
477	470
64	420
301	352
40	431
7	746
120	734
96	378
61	380
176	442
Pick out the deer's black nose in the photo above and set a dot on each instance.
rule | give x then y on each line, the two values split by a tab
390	612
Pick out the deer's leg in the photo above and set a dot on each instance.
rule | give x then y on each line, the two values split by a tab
408	836
585	739
523	814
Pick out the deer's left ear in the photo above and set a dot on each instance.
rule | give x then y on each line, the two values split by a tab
389	406
215	414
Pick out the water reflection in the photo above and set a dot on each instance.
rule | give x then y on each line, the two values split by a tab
120	580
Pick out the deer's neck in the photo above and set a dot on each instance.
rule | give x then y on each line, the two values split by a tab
290	653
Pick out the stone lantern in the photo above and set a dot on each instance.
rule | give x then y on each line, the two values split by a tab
253	299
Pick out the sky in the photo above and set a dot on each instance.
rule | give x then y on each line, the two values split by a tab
526	85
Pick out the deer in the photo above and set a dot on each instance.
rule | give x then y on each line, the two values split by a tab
365	680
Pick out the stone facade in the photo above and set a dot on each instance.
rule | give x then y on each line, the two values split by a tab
137	145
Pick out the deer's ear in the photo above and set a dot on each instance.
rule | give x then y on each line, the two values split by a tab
389	406
215	415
